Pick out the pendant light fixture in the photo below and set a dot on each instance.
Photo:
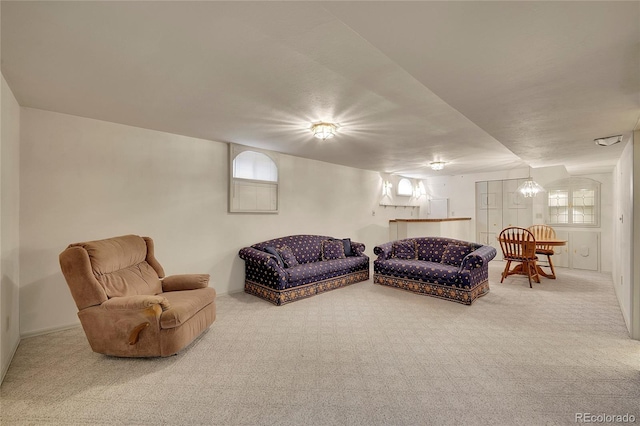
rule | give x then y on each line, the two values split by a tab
530	188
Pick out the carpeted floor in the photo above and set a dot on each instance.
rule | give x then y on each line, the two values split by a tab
362	355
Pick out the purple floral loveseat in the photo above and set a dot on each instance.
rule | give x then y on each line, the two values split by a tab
435	266
290	268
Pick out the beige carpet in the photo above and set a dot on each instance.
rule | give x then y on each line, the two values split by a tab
362	355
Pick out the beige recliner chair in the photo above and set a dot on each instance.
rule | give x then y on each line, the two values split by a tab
127	306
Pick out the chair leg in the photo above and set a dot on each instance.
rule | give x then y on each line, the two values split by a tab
553	271
527	265
506	270
534	272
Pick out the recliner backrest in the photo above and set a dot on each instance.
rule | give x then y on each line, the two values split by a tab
120	266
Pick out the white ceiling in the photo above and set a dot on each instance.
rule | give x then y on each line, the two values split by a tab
483	86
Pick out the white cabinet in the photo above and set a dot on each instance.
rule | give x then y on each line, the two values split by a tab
584	250
561	256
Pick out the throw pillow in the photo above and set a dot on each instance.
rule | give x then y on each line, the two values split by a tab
347	246
288	257
332	249
272	250
404	249
454	253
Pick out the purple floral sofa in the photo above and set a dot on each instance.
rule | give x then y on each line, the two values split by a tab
290	268
435	266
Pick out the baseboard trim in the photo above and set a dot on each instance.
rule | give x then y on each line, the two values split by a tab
48	330
5	368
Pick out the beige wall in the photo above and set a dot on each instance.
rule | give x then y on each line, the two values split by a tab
85	179
9	220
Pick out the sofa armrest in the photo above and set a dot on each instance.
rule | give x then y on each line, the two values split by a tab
478	258
185	282
258	257
383	250
357	248
133	303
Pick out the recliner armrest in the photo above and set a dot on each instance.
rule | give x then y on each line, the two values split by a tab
142	301
185	282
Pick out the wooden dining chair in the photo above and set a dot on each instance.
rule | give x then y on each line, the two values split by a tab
541	233
519	245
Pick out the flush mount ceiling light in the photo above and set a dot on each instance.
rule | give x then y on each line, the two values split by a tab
437	165
608	141
324	130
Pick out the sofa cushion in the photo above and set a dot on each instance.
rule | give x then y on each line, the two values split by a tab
306	273
404	249
306	248
431	248
332	249
454	253
287	256
274	251
419	270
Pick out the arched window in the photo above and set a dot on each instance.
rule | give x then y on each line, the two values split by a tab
254	180
256	166
405	187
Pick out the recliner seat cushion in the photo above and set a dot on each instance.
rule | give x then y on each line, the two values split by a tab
185	304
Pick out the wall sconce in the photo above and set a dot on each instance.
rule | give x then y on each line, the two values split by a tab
386	188
419	190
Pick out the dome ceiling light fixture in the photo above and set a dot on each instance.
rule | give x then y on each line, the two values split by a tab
324	130
608	141
437	165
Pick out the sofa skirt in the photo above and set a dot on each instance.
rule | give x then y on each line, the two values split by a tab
281	297
460	295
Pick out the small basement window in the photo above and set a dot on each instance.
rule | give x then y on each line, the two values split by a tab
253	184
405	188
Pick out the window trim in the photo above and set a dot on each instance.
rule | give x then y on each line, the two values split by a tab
234	151
572	186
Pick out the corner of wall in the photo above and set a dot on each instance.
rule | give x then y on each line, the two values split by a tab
9	226
635	253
